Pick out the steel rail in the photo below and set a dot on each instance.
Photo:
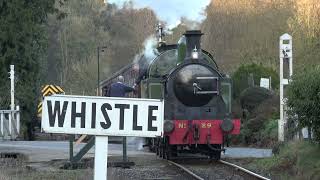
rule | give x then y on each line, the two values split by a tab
186	170
244	170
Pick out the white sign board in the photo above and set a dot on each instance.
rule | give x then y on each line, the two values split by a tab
105	116
264	82
102	116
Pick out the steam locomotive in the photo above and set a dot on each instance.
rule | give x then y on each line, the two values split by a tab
197	96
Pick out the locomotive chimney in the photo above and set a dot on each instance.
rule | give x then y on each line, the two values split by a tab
193	41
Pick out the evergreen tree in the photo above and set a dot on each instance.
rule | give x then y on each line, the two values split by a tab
303	99
23	43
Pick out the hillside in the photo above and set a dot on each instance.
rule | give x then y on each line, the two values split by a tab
55	41
236	32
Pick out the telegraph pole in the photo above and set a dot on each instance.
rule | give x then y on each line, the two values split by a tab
285	51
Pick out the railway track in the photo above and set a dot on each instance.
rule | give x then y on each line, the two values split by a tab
244	170
231	165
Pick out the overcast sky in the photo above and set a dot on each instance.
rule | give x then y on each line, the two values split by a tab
171	11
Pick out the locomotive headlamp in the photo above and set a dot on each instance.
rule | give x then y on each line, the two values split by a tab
195	54
168	126
226	125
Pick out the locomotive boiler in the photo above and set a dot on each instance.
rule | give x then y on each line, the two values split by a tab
197	95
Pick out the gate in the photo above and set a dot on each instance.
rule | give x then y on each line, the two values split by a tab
9	124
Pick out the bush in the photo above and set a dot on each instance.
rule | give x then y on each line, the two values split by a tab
259	132
240	77
269	134
303	95
293	160
259	117
252	97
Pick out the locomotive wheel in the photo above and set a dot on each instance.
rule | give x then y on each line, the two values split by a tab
160	148
168	154
170	150
161	151
152	145
157	147
216	155
174	151
165	153
164	148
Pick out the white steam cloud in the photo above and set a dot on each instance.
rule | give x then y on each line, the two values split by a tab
149	47
150	51
172	11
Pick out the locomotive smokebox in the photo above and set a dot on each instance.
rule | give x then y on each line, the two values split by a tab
193	42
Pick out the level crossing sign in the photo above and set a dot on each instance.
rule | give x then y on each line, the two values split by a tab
102	117
48	90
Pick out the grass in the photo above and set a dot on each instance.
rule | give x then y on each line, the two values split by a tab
17	169
25	174
296	160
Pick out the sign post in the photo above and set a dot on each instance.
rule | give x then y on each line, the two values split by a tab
100	157
102	117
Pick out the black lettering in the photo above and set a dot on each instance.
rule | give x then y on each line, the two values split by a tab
151	118
122	107
135	118
81	114
61	116
93	115
107	124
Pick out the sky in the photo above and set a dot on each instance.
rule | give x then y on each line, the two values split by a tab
171	11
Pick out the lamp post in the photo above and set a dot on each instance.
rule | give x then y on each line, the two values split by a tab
98	51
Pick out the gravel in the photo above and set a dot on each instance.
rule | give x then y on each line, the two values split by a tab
40	157
210	170
146	167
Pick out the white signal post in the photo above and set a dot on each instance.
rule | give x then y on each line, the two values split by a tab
12	86
285	53
102	117
12	98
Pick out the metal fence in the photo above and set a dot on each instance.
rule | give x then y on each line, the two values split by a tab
9	124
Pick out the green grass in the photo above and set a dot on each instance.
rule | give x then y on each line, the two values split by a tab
17	169
25	174
296	160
